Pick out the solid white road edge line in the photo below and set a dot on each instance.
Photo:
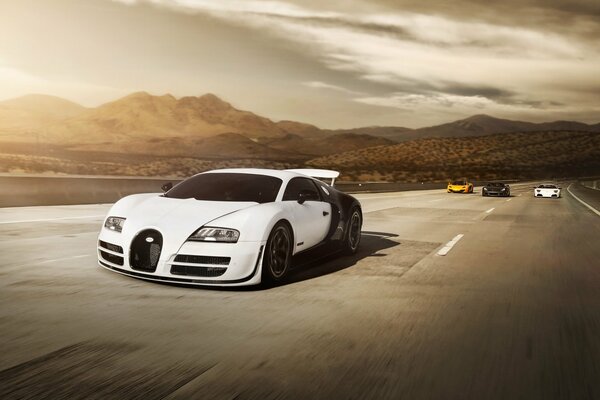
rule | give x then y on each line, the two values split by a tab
490	210
51	219
444	250
581	201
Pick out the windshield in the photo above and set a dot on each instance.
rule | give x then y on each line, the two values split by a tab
228	187
547	186
495	184
459	183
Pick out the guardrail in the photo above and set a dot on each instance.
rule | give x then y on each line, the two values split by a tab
20	191
40	190
36	190
591	184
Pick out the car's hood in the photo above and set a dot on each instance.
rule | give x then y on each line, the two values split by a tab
494	188
175	219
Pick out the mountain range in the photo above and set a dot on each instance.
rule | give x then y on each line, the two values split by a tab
190	124
162	130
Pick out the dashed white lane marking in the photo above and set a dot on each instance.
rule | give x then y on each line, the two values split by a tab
23	221
444	250
508	200
432	201
581	201
53	260
490	210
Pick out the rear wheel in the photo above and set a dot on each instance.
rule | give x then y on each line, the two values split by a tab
353	235
278	254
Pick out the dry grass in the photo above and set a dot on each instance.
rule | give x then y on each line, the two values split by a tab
502	156
179	167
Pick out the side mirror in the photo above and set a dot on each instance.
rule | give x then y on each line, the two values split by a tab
167	186
305	195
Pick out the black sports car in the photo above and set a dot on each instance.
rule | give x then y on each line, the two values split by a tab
496	189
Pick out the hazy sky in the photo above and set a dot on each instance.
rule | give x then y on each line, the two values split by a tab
336	63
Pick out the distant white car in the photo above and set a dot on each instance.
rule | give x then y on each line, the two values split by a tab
547	190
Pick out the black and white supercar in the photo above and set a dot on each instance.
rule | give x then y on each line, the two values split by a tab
229	227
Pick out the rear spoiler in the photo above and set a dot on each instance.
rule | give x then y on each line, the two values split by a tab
318	173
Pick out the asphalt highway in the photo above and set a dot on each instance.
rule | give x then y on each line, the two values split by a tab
511	311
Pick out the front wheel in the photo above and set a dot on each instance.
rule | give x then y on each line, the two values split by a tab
278	254
353	235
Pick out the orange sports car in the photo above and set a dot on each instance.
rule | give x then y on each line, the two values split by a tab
460	186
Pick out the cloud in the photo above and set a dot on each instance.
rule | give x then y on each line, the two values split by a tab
416	101
430	56
328	86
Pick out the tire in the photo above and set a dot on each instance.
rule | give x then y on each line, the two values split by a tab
353	229
278	254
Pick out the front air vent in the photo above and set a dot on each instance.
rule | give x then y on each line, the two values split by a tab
111	247
111	258
207	272
145	250
210	260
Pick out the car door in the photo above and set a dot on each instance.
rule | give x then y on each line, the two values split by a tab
311	219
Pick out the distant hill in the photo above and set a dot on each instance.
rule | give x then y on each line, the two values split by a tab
143	116
34	111
508	155
300	129
476	125
140	123
394	133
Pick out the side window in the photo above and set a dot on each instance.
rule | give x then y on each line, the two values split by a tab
297	185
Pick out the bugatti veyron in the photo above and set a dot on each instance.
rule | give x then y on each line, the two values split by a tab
229	227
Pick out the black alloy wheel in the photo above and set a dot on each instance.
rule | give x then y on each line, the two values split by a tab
353	233
278	253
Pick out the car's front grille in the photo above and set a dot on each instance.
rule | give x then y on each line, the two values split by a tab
145	250
189	270
111	258
210	260
110	246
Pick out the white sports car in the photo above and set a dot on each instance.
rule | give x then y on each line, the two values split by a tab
547	190
229	227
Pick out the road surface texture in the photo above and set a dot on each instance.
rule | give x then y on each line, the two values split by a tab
512	311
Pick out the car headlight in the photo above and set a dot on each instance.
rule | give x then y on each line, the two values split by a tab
503	189
212	234
114	223
485	189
